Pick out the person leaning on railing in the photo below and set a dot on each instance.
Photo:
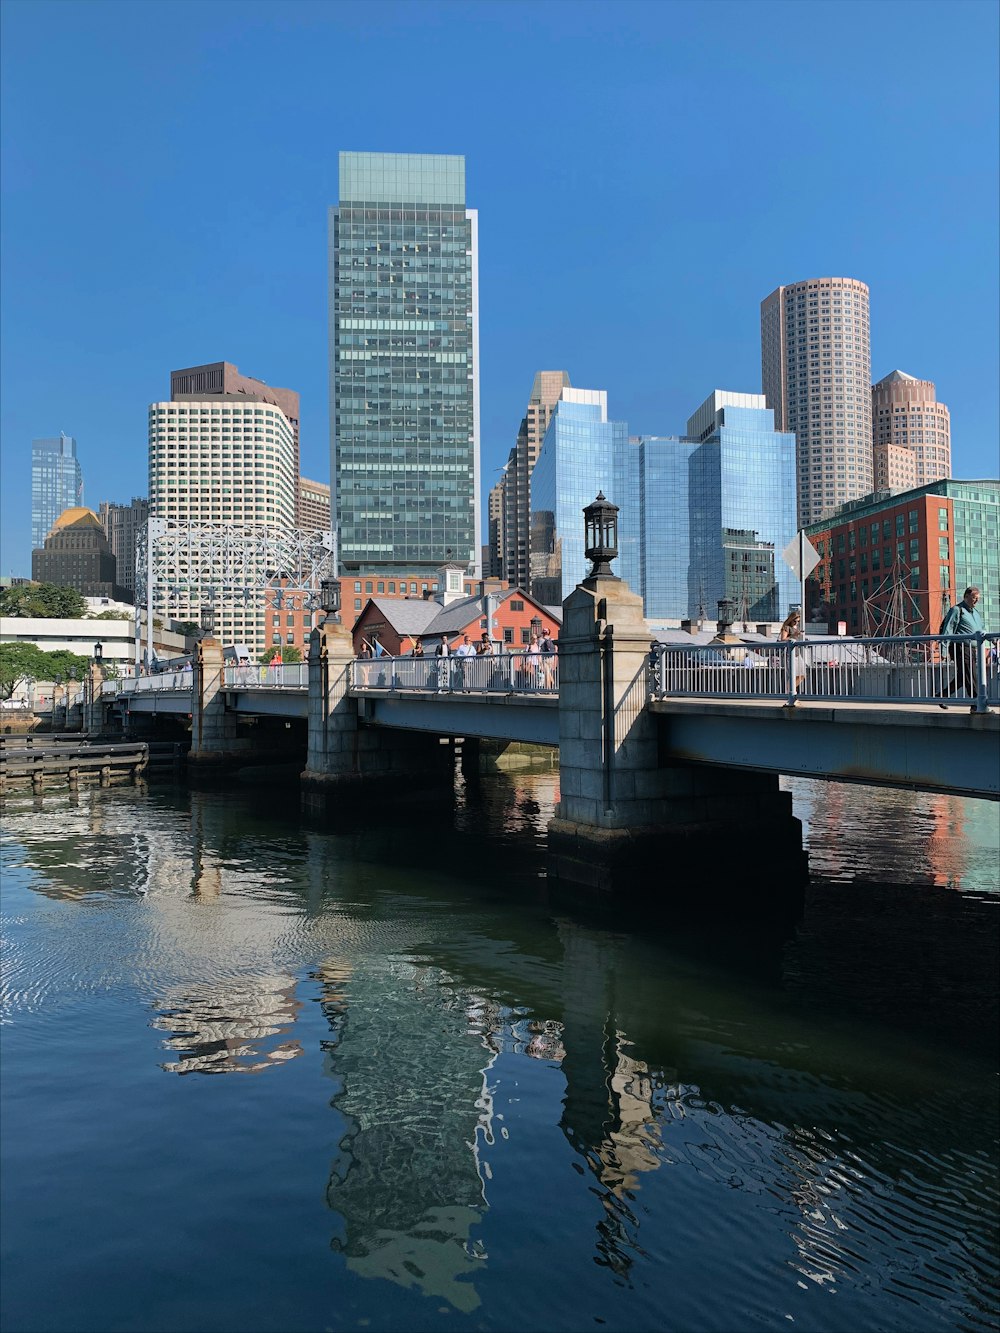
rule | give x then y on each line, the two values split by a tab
964	619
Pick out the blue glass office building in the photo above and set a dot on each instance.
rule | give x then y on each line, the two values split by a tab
56	484
704	516
404	363
583	452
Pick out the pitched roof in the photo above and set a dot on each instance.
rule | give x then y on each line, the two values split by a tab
898	377
406	615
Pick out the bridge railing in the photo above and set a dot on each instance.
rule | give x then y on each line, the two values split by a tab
162	680
949	670
491	673
289	676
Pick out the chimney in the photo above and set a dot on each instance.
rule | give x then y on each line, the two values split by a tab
686	627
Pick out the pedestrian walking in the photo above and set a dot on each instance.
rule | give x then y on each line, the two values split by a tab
963	619
791	629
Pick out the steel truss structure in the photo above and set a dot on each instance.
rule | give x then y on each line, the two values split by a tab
180	567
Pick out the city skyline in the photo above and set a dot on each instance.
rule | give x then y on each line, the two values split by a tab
183	270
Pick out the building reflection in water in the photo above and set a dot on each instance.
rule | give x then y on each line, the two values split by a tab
411	1054
228	1027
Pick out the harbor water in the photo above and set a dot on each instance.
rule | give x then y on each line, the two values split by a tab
271	1072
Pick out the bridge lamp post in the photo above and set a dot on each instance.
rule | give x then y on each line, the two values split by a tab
601	536
536	626
207	621
329	599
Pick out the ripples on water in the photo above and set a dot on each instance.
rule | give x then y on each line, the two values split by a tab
471	1110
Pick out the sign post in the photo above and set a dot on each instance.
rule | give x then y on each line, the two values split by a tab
802	558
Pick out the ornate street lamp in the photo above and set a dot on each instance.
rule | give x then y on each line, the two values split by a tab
536	626
329	599
98	653
601	536
208	621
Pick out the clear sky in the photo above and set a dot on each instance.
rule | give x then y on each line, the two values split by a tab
645	174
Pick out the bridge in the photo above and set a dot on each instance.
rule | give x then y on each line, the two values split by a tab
864	711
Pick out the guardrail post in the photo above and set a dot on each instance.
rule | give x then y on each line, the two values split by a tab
982	663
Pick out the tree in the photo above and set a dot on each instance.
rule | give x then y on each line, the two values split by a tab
289	653
186	627
44	600
111	615
18	661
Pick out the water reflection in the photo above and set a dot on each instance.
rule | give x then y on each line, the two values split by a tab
411	1058
226	1029
535	1116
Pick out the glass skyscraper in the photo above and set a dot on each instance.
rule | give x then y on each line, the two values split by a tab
704	516
56	484
404	363
583	453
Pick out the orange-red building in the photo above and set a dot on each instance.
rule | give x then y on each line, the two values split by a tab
507	614
892	564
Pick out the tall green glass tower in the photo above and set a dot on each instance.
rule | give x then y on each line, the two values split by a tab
404	363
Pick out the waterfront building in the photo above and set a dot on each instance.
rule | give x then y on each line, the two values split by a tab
404	363
703	516
76	555
911	433
509	615
893	563
816	375
225	459
122	526
314	505
514	498
56	483
79	634
582	452
220	378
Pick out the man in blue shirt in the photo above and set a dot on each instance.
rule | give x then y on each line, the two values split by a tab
966	620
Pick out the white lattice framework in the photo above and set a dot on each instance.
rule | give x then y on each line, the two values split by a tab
228	564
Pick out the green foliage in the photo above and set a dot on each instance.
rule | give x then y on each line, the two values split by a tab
112	671
42	600
289	653
20	660
186	627
111	615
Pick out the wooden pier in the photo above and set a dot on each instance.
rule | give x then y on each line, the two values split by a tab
66	761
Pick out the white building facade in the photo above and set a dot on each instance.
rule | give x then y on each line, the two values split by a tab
226	460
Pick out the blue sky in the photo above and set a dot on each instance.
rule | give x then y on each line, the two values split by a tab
645	174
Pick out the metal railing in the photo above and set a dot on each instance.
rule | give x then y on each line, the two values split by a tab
949	670
162	680
490	673
288	676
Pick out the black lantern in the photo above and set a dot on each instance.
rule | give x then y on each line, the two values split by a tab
601	536
329	597
72	673
98	653
208	620
536	627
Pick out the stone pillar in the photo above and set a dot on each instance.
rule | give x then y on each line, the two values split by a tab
628	822
93	709
348	761
214	739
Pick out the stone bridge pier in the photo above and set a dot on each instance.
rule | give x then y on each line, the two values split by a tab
348	763
629	823
215	739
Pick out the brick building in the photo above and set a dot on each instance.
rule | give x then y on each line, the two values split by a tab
892	563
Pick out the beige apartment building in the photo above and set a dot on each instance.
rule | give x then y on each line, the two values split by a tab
314	505
510	499
911	433
816	374
222	463
223	378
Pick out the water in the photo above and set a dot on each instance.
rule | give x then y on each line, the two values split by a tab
462	1108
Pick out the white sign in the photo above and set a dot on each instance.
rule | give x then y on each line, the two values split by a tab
801	556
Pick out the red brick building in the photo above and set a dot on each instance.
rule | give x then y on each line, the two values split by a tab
508	614
887	564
